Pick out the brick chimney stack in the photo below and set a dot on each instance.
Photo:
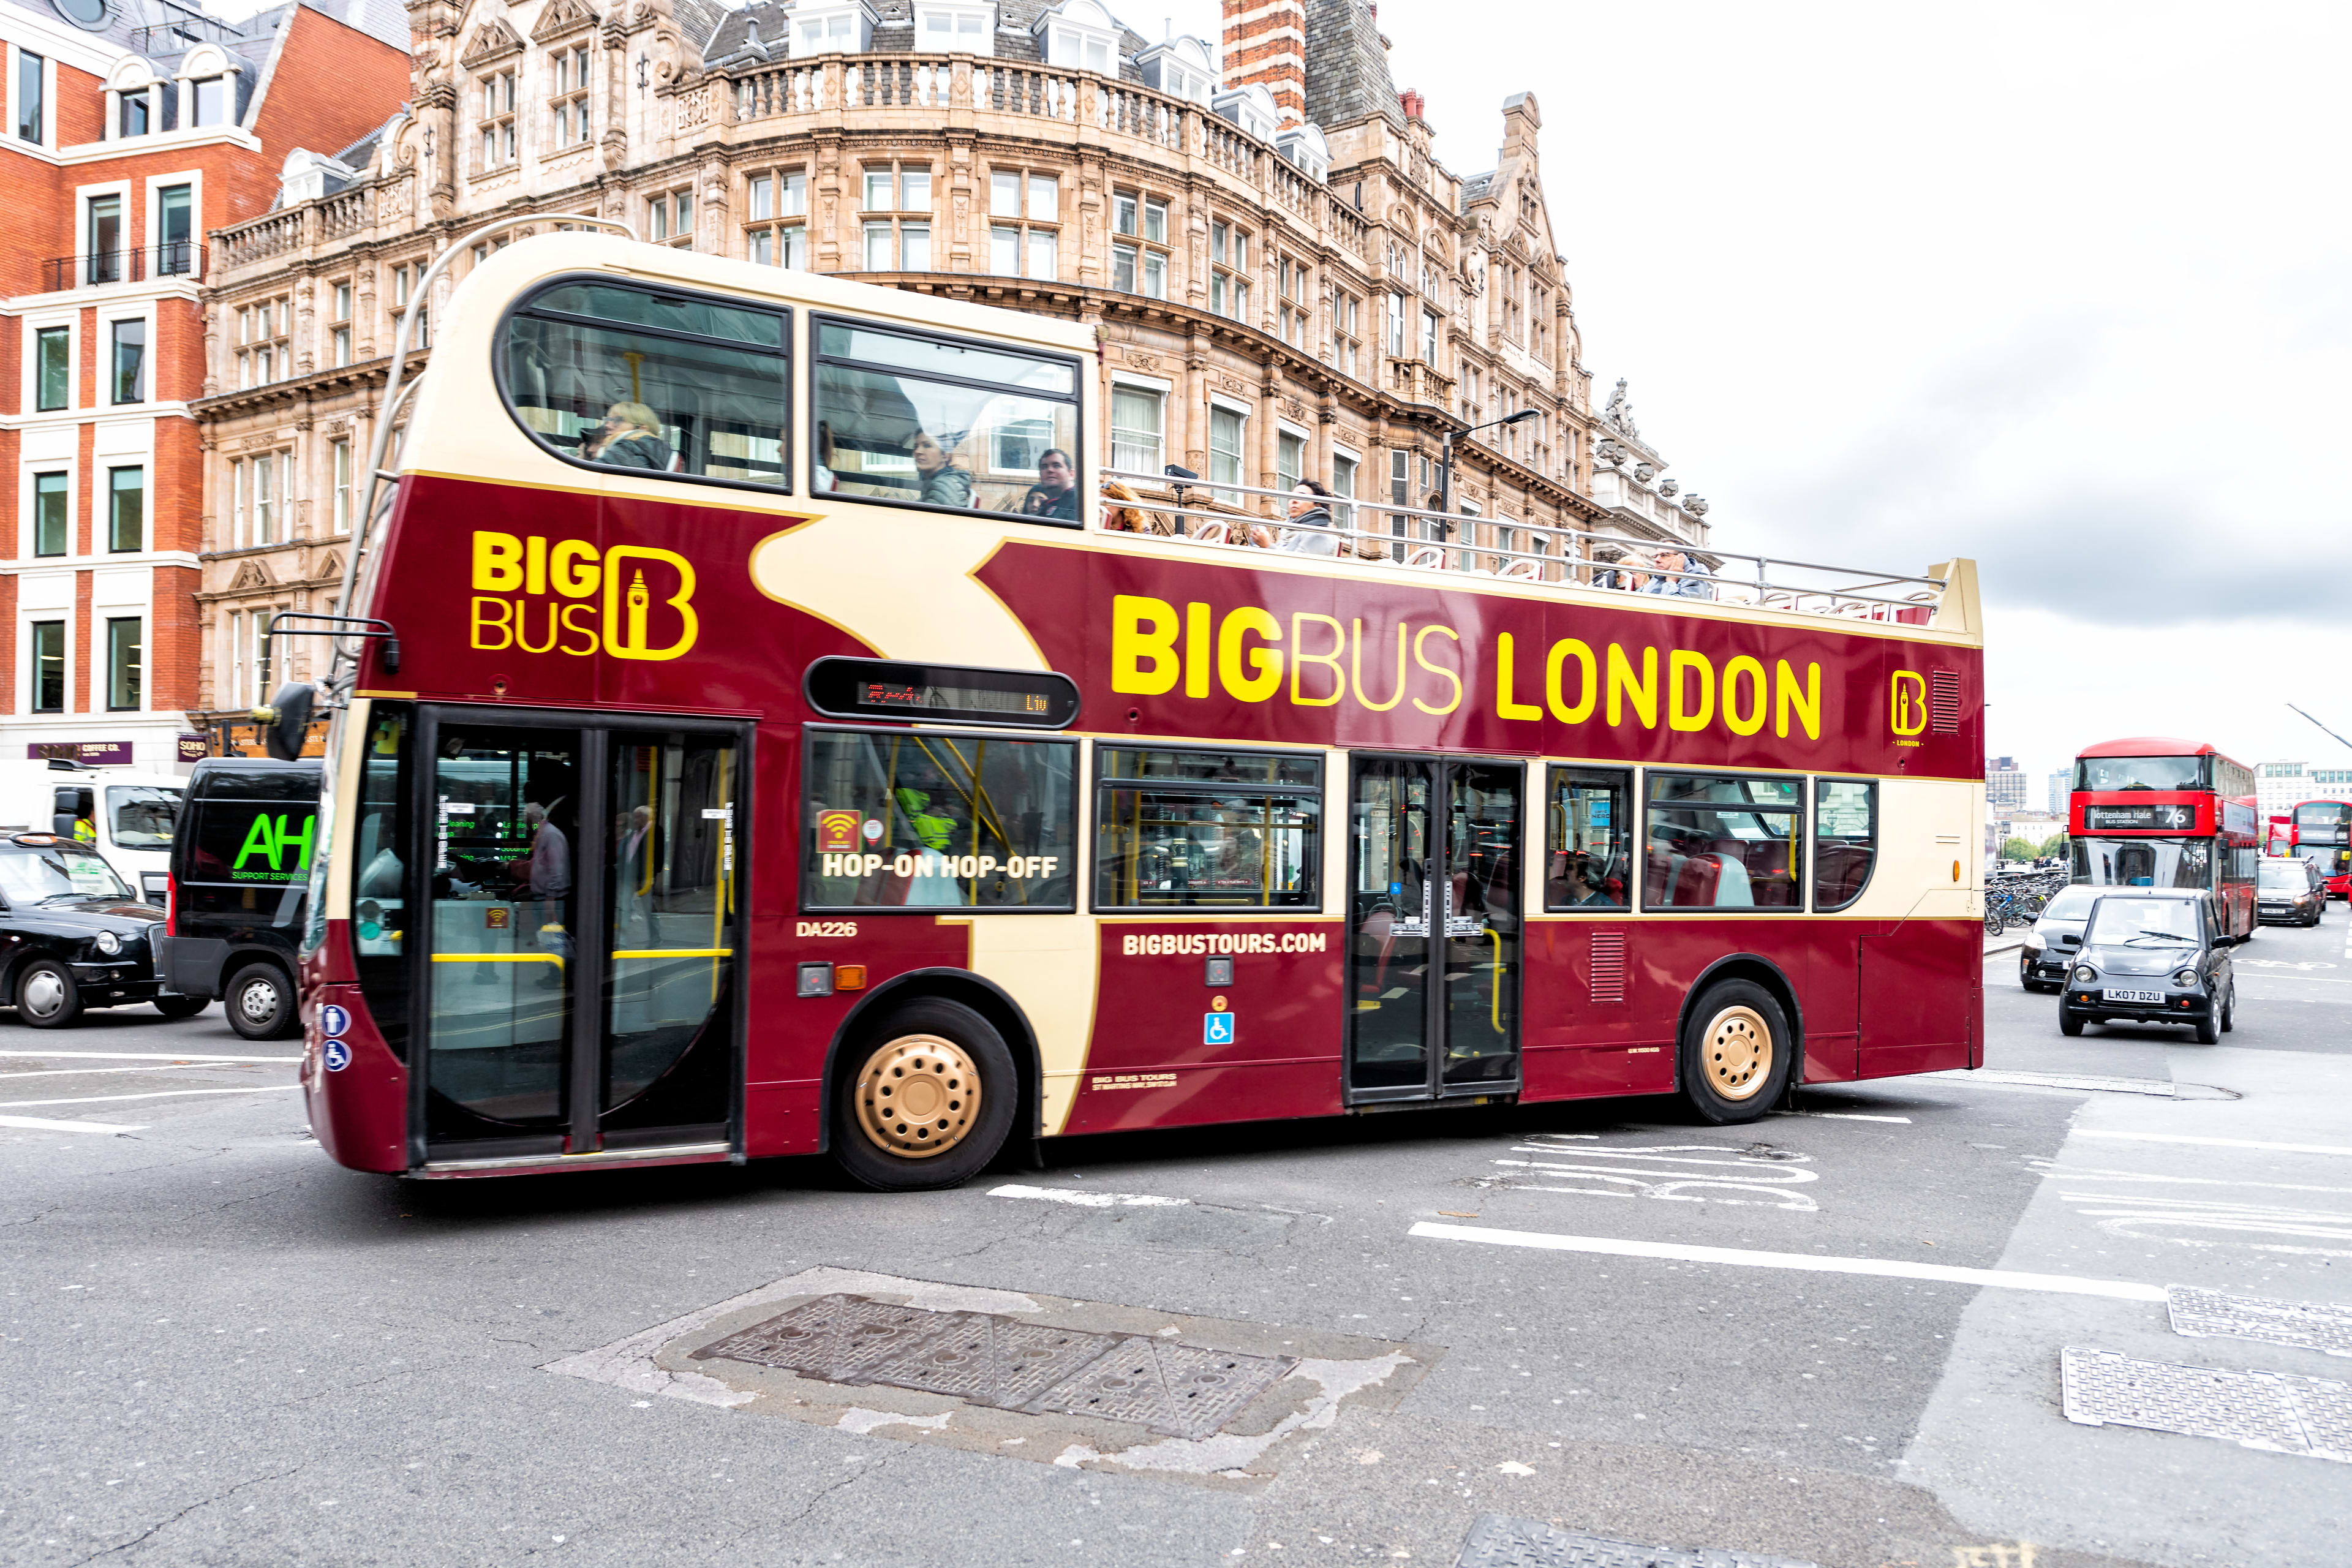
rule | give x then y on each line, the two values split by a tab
1416	107
1265	43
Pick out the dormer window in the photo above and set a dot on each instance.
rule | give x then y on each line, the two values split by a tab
1251	108
945	28
1304	146
205	74
836	28
132	88
1180	69
210	97
1079	34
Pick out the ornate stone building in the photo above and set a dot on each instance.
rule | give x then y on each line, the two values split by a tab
1286	282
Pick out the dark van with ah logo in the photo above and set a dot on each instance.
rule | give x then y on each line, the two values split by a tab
240	884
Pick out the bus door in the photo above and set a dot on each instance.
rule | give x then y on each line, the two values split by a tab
1433	928
579	956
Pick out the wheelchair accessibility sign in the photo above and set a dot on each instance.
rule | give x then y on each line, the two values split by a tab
337	1056
1216	1028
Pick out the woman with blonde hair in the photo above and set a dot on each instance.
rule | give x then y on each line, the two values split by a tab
630	437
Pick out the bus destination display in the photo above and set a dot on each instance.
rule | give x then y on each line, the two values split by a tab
877	689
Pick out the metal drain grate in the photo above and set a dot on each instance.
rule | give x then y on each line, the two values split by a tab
2306	1416
2208	1314
988	1360
835	1338
1180	1390
1498	1542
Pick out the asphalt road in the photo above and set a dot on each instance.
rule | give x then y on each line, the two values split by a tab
220	1348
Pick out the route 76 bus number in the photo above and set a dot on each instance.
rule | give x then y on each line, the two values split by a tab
825	928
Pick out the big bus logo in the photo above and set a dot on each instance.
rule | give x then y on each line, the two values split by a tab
1908	714
567	596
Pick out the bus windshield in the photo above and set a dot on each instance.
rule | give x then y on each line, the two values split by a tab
2139	772
2144	862
2321	822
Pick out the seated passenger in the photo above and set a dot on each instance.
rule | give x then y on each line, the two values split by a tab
944	484
821	471
1056	494
1582	884
1310	532
630	437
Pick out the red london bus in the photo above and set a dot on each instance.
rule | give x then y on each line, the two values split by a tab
753	735
2152	810
2320	831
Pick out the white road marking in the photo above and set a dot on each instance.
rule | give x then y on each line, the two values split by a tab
94	1072
2213	1142
160	1094
1676	1173
2301	979
148	1056
42	1125
1089	1200
1807	1263
2139	1216
1848	1116
2102	1173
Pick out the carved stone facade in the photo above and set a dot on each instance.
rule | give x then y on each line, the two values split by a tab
1263	319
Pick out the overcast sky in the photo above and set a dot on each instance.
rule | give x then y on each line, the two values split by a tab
2064	288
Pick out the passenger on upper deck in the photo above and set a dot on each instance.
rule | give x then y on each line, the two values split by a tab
1678	578
1310	532
944	484
1055	493
630	437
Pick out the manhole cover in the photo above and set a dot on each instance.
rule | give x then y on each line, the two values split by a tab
2208	1314
1498	1542
988	1360
835	1338
1180	1390
2307	1415
1177	1390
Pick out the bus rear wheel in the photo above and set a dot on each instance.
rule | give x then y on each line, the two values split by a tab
926	1100
1735	1053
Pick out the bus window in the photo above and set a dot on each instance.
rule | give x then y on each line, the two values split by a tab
938	422
2140	772
2144	862
899	818
1591	840
1722	843
633	378
1206	829
1845	840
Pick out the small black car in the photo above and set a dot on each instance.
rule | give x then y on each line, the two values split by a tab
2151	955
2288	891
72	936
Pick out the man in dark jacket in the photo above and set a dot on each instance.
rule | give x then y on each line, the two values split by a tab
1054	496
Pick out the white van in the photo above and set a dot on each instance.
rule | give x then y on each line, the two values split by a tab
134	813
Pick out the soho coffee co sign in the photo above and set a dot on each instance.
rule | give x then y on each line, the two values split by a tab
81	753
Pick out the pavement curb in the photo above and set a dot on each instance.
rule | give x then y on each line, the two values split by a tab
2003	945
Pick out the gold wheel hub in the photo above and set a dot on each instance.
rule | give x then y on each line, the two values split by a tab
917	1096
1737	1054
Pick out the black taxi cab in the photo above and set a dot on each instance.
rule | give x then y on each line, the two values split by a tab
72	936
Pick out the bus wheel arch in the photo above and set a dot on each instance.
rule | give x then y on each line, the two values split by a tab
858	1028
1756	970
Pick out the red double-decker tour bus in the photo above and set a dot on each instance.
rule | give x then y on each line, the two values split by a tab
2320	831
2155	812
755	735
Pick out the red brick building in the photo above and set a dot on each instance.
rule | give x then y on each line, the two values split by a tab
133	128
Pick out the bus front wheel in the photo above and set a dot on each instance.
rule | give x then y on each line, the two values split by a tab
926	1100
1735	1053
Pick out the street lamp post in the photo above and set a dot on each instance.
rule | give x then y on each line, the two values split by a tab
1445	457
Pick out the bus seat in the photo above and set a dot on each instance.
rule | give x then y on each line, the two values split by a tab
1694	883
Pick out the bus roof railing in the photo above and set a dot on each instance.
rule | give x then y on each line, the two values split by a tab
1410	537
344	666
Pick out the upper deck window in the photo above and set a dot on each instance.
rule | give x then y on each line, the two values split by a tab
933	421
2139	772
626	377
